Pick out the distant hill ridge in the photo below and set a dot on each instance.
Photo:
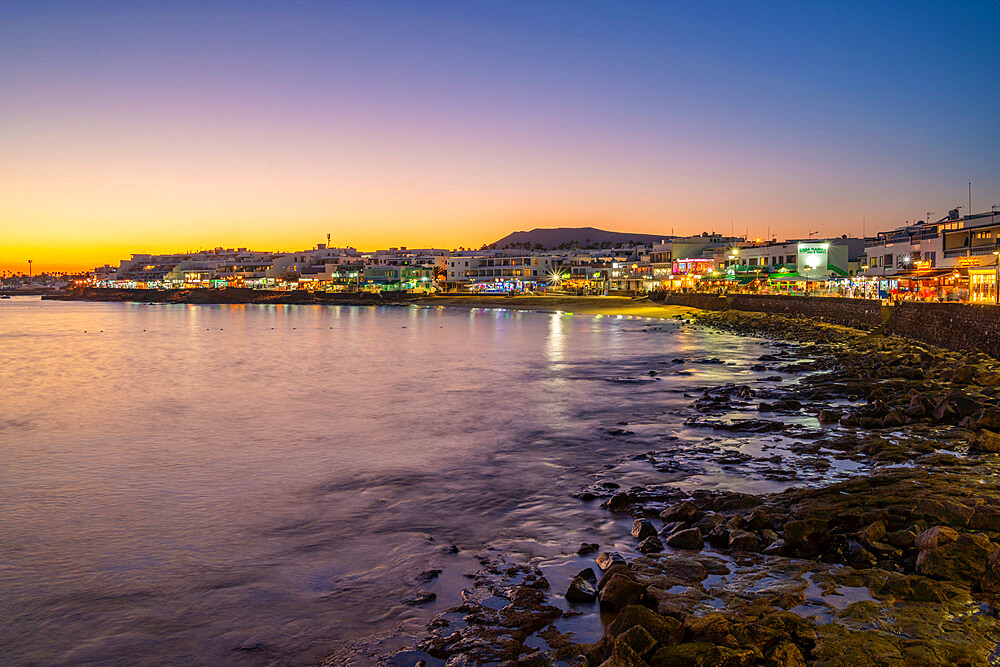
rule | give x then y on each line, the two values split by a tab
560	238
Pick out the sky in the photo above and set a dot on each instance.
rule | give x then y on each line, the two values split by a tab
171	126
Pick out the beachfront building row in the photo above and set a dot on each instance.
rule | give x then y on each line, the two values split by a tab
956	257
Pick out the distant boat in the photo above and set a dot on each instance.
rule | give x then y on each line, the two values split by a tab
4	296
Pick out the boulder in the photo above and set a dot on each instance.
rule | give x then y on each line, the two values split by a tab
743	540
945	512
623	655
871	533
758	519
642	528
619	592
609	558
714	628
985	441
708	522
651	544
965	559
581	591
663	629
805	537
986	517
587	548
719	536
638	639
701	654
685	511
990	582
932	538
829	416
686	539
785	654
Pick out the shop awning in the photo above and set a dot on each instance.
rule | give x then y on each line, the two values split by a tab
923	275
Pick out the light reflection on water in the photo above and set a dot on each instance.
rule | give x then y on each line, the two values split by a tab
263	484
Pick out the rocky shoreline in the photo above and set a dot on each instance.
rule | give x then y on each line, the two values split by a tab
899	564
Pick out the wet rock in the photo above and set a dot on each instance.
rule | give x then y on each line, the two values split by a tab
861	558
963	375
617	568
871	533
581	590
947	512
713	628
758	520
701	654
785	654
609	558
686	539
805	537
743	540
893	419
663	629
985	441
733	500
620	502
420	597
671	528
619	592
986	517
651	544
719	536
642	528
829	416
934	537
588	575
708	522
428	575
587	548
685	511
966	559
638	639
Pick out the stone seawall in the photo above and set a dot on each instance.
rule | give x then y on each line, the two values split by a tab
956	326
858	313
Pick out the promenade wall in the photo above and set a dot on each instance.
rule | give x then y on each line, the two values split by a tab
859	313
956	326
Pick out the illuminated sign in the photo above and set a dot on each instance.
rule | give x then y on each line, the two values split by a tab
968	261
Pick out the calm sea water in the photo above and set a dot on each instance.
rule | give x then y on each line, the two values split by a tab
261	484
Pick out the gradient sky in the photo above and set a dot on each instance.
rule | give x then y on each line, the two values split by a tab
153	127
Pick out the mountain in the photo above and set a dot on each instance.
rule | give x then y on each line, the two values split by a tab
574	237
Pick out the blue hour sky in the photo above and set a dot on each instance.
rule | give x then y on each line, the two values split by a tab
131	126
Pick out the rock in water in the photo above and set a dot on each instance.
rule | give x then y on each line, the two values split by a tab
620	591
609	558
642	528
581	591
685	511
650	545
686	539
